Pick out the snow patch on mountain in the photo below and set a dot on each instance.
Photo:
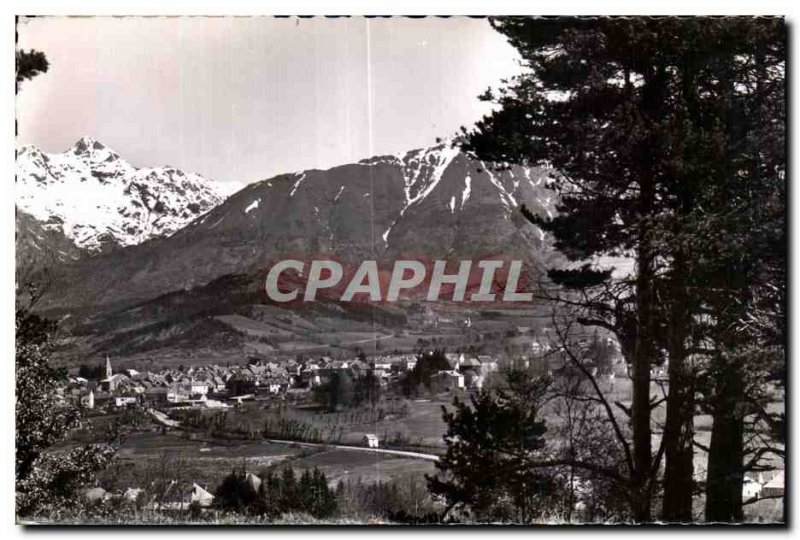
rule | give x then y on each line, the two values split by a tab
297	184
507	197
424	169
96	198
467	190
339	193
252	206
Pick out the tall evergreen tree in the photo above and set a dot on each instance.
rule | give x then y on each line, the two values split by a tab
626	112
235	493
741	236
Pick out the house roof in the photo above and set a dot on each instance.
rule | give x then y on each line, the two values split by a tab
118	377
778	481
201	495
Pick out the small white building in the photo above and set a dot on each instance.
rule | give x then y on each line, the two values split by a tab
212	404
201	496
198	388
96	494
371	440
124	401
88	400
751	488
775	487
473	380
447	381
131	494
176	394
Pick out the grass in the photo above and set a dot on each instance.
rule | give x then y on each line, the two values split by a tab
209	517
340	464
145	457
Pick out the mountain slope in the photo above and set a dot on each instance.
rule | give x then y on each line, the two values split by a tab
98	200
431	203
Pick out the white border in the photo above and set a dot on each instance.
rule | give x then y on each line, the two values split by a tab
308	7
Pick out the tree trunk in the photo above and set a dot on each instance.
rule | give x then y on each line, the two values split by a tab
678	446
679	427
725	457
640	405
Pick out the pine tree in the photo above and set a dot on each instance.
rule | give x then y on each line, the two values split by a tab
30	64
741	234
290	492
627	113
340	390
235	493
307	491
492	444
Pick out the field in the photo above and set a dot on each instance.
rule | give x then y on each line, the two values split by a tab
407	424
148	457
398	422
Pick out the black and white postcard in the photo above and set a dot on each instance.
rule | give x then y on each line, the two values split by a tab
398	270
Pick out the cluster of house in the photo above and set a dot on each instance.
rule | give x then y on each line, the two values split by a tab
214	386
761	487
172	499
203	385
464	373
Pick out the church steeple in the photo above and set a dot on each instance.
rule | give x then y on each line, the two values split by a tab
109	372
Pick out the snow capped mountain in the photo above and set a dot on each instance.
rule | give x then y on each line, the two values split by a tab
440	177
433	203
98	200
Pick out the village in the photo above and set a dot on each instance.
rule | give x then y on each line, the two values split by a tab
247	389
219	387
167	393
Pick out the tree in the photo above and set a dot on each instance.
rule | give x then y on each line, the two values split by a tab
588	434
235	493
289	488
270	502
368	388
602	354
316	497
744	268
92	373
628	113
47	480
339	391
428	364
30	64
594	107
490	443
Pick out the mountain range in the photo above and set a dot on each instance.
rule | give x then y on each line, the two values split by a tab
99	201
180	253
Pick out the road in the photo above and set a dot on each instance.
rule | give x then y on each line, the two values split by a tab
165	420
402	453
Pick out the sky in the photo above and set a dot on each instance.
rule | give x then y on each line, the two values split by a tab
244	99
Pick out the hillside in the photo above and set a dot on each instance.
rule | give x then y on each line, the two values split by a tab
430	203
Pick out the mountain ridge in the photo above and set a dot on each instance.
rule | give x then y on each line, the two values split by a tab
433	203
100	201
